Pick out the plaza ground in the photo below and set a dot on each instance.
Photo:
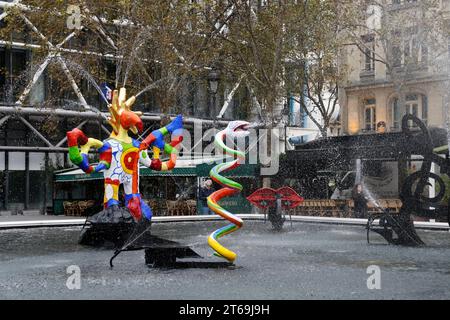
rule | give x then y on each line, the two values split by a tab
307	261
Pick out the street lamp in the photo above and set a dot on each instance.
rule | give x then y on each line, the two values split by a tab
213	81
213	84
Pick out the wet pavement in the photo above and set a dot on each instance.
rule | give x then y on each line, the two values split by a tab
307	261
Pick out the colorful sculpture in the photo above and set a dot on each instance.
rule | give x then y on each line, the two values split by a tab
235	129
265	198
275	203
120	155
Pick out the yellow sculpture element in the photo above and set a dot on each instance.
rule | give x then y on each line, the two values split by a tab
119	105
156	152
94	143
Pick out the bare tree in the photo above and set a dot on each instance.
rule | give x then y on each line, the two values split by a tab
148	46
315	68
255	45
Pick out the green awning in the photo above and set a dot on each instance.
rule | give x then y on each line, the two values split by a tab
78	175
202	170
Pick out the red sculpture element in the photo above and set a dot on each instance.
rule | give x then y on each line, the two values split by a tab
75	137
135	208
129	119
266	197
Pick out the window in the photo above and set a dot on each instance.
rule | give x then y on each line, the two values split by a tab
396	49
414	51
369	54
425	109
415	104
396	115
12	66
397	2
407	48
369	58
396	56
406	51
370	119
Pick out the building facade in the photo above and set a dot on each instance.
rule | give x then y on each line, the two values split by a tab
394	62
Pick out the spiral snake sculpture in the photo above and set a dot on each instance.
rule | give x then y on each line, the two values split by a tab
235	129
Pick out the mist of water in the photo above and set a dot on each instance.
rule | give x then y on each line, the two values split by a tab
86	75
255	125
139	41
153	86
366	191
370	196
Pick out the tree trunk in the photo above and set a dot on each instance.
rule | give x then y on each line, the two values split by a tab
267	180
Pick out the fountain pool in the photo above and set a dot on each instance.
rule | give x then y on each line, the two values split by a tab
307	261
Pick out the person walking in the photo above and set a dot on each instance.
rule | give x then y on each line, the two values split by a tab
203	194
360	201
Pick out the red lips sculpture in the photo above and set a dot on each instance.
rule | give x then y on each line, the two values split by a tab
266	197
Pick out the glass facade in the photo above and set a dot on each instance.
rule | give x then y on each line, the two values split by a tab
13	63
25	180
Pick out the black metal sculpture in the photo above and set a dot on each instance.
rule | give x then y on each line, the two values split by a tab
398	228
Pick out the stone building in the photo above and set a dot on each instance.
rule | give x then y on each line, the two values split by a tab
400	55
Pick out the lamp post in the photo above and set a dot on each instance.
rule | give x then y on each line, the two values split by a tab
213	84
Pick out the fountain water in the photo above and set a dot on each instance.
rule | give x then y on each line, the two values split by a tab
153	85
37	71
359	179
138	42
86	75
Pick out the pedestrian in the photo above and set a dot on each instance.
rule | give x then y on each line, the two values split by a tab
360	201
203	194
